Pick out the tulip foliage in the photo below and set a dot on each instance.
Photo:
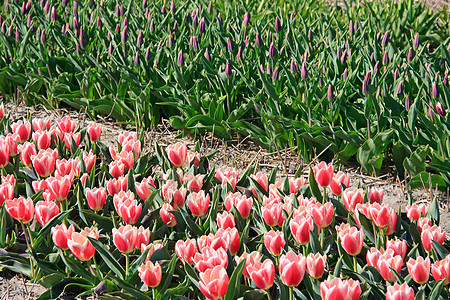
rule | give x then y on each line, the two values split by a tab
368	81
117	222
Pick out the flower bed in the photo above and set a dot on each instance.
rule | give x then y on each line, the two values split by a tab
82	218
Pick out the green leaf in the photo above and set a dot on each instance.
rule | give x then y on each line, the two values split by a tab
235	281
47	227
314	187
76	267
168	275
108	258
437	289
433	211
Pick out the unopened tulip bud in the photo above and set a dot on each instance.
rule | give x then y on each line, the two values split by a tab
230	45
246	19
376	68
110	49
175	26
77	49
201	26
170	40
440	109
410	54
303	71
140	39
259	41
268	69
124	35
435	90
209	9
152	25
53	15
173	8
396	74
407	102
445	80
351	29
385	39
193	43
385	60
293	68
194	20
275	74
344	56
368	77
29	21
345	75
399	90
207	55
163	9
271	50
144	3
239	54
47	7
277	24
219	20
310	35
43	36
99	23
416	40
292	18
136	59
330	95
228	72
180	59
23	9
17	34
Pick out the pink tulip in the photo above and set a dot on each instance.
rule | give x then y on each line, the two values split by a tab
399	292
250	259
316	264
300	227
193	157
177	154
125	238
292	268
242	203
337	289
4	152
441	270
295	184
352	240
422	223
272	214
274	242
22	129
60	235
80	246
419	269
45	211
6	192
262	274
228	176
90	231
117	168
43	139
89	159
114	186
322	214
208	258
94	131
186	250
2	111
228	238
167	217
392	225
44	162
20	209
263	180
351	198
144	188
375	195
68	167
59	187
432	233
127	207
225	220
339	179
388	262
153	248
68	137
150	273
323	173
41	124
193	182
398	246
26	150
126	158
414	212
65	124
96	198
380	214
198	203
214	282
143	236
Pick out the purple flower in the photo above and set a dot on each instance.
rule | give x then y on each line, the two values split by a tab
351	29
202	25
396	74
219	20
399	90
148	54
230	45
376	68
435	90
121	10
261	68
239	54
378	94
78	50
410	54
431	112
194	20
385	60
53	15
173	8
440	109
416	40
110	49
207	55
163	9
99	23
170	40
259	41
277	24
152	25
275	74
246	19
46	7
345	75
124	35
136	59
175	26
365	86
210	7
75	23
385	39
303	71
344	56
144	3
228	71
407	102
193	43
180	59
445	80
17	34
269	69
43	36
23	9
294	67
271	50
140	39
330	94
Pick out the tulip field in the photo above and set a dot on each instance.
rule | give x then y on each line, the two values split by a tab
365	81
84	219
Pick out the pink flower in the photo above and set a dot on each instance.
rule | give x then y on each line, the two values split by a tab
339	179
351	239
399	292
26	150
351	198
375	195
262	274
144	188
198	203
292	268
94	131
20	209
274	242
166	216
89	159
177	154
295	184
44	162
225	220
96	198
263	180
432	233
214	282
316	264
322	214
43	139
41	124
80	246
414	212
45	211
60	235
242	203
300	226
125	238
69	137
186	250
209	258
114	186
65	124
323	173
441	270
419	269
150	273
22	129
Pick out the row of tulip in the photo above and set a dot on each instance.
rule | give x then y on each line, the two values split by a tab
103	220
285	74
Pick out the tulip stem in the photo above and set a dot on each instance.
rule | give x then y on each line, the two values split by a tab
321	237
127	263
291	293
324	195
355	264
29	249
268	295
100	274
375	235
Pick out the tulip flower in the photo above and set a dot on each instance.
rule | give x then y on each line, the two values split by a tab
177	153
292	268
214	282
90	231
277	26
380	214
351	198
228	175
59	187
398	246
117	168
186	250
351	239
208	258
6	192
441	270
127	207
2	111
322	214
375	195
263	274
96	198
20	209
272	213
42	139
70	167
194	182
295	184
225	220
339	179
432	233
125	238
250	259
337	288
400	292
45	211
144	188
414	212
167	217
440	109
419	269
300	227
180	63
22	129
323	173
198	203
316	264
94	131
80	246
228	238
150	273
26	150
60	235
274	242
388	262
263	180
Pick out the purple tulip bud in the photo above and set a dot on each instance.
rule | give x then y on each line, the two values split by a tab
303	71
28	6
275	74
193	43
117	10
173	8
246	19
269	37
136	59
144	3
259	41
330	94
170	40
277	24
365	86
294	67
125	22
23	9
410	54
29	21
140	39
426	75
202	25
219	20
320	82
78	50
268	69
210	7
407	102
17	34
345	75
230	45
175	26
385	39
399	90
148	54
124	35
200	9
194	20
75	23
396	74
1	20
310	35
338	52
351	29
435	90
440	109
445	80
385	60
207	55
180	59
378	93
344	56
53	15
376	68
82	38
368	77
117	28
416	40
163	9
431	112
271	50
4	27
372	57
239	54
43	36
10	31
324	71
152	25
228	71
261	68
281	51
46	7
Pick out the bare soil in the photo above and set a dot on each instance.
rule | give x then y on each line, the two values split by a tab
240	153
